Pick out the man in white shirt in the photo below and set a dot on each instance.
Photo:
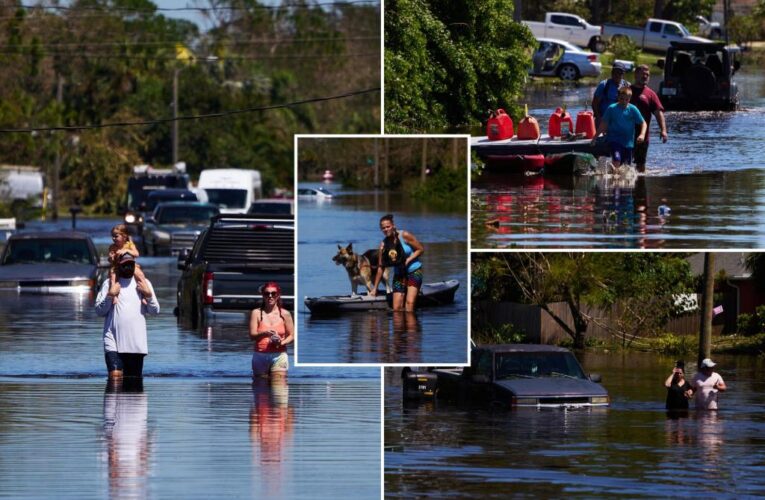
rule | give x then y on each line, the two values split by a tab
706	384
125	342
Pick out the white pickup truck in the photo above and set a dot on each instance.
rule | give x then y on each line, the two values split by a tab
656	35
568	27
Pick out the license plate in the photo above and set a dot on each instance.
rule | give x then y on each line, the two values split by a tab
668	91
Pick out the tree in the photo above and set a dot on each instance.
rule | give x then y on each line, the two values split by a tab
447	62
643	285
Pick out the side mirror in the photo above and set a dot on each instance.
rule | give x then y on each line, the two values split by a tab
595	377
660	63
183	256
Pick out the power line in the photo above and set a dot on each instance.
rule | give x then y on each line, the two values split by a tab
191	117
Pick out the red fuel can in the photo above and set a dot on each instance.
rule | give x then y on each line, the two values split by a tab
558	120
585	124
499	126
528	129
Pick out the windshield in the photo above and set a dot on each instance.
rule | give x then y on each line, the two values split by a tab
227	198
537	364
48	250
186	215
159	196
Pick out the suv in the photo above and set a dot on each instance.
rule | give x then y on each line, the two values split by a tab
146	180
697	77
229	262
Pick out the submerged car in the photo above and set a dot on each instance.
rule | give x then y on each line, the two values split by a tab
522	375
49	262
564	60
175	226
314	194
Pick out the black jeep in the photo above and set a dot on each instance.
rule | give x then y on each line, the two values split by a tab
697	77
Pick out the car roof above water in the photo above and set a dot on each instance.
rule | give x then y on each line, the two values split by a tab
522	348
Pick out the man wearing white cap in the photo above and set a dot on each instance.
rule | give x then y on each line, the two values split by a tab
706	384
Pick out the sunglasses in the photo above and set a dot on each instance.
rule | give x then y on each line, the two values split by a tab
270	294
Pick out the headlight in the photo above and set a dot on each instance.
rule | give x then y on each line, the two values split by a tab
162	237
130	218
599	400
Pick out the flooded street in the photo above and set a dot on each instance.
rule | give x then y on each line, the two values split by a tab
632	447
198	427
710	175
434	334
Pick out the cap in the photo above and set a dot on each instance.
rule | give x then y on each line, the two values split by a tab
619	66
707	363
126	257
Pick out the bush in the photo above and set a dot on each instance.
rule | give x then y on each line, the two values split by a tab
623	48
503	334
752	324
445	188
672	344
744	29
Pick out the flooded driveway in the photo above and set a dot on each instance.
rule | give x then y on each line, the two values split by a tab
704	188
632	447
197	428
434	334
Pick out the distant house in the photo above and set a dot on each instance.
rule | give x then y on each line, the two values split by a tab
736	292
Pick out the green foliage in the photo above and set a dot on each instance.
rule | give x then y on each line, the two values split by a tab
500	334
752	324
447	62
671	344
117	66
624	48
445	188
685	11
744	29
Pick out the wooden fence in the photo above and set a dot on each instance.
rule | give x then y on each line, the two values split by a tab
540	327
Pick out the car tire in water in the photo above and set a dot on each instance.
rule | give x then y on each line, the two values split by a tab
568	72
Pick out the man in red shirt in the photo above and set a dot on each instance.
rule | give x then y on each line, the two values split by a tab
648	103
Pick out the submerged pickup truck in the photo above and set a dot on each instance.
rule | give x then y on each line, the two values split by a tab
657	35
509	376
229	262
568	27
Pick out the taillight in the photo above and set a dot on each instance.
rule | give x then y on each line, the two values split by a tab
207	288
592	58
669	83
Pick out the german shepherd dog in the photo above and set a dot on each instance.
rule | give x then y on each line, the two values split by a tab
361	268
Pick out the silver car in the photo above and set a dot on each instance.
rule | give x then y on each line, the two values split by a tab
564	60
50	262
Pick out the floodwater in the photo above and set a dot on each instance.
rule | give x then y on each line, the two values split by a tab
631	449
196	428
710	175
430	335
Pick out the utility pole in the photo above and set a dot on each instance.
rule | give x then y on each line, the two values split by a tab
174	129
57	160
707	304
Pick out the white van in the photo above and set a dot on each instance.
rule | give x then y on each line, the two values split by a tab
232	189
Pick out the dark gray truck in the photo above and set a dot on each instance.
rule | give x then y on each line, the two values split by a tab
231	259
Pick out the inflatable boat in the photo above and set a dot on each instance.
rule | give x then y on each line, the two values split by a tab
431	294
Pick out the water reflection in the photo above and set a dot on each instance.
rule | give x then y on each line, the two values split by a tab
271	420
374	336
126	432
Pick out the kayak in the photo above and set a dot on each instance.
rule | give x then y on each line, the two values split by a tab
431	294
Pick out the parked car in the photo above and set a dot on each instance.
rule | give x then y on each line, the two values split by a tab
564	60
230	260
568	27
273	206
50	262
163	195
314	194
709	29
698	77
175	225
521	375
657	34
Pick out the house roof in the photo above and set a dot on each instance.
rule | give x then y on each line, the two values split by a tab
731	262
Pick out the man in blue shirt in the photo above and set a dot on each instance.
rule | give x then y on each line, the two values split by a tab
619	123
607	91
